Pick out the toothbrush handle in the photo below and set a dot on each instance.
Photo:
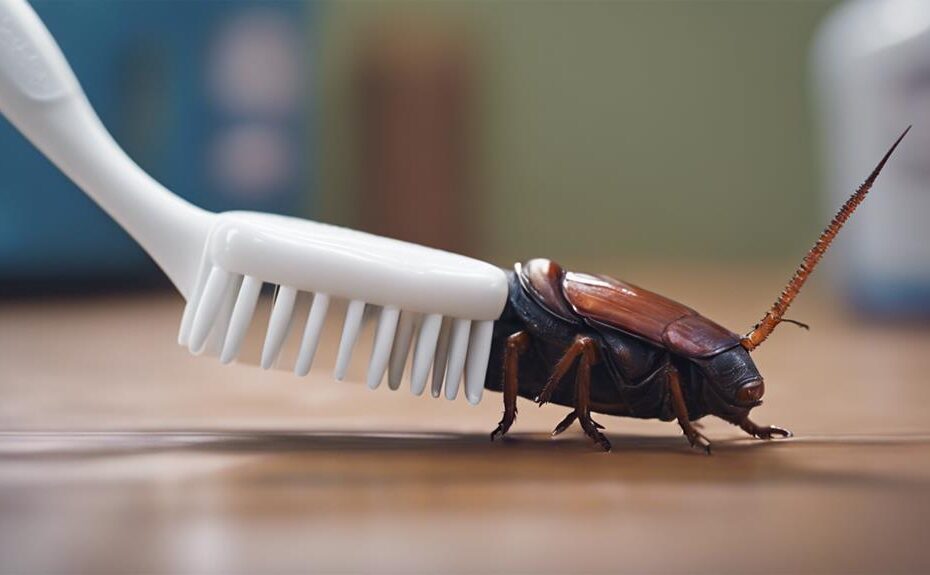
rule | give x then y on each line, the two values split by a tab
40	95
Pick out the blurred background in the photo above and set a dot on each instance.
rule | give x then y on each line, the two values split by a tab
695	148
630	131
635	131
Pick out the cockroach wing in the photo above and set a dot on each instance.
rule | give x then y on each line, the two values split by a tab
646	315
697	336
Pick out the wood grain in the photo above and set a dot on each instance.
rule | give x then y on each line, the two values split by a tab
122	453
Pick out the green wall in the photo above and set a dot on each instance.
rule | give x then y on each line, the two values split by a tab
674	130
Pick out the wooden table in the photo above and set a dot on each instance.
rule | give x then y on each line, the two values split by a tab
121	453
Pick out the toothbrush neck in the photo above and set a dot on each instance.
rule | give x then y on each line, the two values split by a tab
170	229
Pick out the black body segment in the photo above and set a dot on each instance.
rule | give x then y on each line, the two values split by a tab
549	337
629	378
596	344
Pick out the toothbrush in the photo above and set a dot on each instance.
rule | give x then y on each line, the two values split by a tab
447	303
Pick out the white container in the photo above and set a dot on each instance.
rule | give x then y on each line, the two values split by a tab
871	67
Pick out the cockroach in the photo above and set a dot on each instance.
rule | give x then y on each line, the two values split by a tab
632	352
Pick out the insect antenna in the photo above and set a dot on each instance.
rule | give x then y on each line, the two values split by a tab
800	324
774	316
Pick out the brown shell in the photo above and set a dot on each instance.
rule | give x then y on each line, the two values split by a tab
543	280
645	314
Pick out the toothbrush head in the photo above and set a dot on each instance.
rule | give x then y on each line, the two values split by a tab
446	302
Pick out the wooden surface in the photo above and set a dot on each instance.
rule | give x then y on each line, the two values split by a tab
121	453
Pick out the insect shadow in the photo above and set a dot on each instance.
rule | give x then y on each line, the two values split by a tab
392	457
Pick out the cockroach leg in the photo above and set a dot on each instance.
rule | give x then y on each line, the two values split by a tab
565	423
762	432
577	348
583	348
516	345
568	421
695	438
755	430
583	393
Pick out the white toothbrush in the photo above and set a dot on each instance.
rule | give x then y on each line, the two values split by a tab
219	262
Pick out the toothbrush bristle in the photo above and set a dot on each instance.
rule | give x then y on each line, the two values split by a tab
476	365
211	300
316	318
441	358
350	330
381	350
424	352
445	350
402	339
458	347
281	312
241	317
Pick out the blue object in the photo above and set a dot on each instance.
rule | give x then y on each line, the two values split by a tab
150	69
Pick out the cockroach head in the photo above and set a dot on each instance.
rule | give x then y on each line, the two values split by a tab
775	315
732	382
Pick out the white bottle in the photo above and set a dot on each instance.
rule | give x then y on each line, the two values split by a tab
872	77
